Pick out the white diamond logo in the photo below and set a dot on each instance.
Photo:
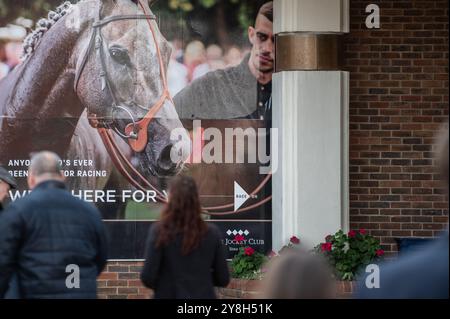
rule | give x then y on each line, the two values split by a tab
240	196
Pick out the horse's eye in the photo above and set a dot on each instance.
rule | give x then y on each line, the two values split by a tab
120	55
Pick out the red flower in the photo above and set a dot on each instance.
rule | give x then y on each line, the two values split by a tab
295	240
351	234
326	246
362	231
239	238
380	252
249	251
328	238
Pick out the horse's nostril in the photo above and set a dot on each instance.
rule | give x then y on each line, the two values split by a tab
166	166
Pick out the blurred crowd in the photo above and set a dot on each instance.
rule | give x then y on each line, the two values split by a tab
187	63
196	59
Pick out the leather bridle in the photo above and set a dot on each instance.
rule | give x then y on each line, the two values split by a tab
136	133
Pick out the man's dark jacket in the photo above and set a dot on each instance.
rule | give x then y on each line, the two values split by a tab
173	275
43	233
416	275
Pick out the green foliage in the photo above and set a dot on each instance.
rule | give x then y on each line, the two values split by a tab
243	10
348	253
189	5
223	22
247	266
35	9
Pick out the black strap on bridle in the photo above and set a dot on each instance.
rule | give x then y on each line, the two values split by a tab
96	41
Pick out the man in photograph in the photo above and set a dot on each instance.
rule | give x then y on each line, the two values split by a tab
241	92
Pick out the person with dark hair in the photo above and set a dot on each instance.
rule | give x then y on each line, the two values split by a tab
240	92
7	182
53	242
185	257
416	275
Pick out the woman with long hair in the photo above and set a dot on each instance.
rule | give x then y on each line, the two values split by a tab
185	257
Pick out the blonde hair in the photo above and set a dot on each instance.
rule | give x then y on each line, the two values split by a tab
195	53
299	275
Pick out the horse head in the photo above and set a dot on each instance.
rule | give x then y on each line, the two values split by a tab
121	80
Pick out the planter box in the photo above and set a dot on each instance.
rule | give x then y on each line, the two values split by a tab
251	289
241	289
345	289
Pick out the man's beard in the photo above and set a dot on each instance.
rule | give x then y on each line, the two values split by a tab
266	71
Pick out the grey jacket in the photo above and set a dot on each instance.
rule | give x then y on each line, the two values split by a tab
222	94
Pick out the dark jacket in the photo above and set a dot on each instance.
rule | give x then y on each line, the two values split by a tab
416	275
174	276
44	232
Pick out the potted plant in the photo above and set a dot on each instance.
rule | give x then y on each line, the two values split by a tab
349	253
247	263
247	269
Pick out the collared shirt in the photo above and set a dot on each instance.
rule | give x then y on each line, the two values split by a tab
264	102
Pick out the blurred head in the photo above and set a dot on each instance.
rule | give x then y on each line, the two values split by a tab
182	215
4	190
45	166
195	53
233	56
299	275
13	52
214	52
443	156
262	39
7	182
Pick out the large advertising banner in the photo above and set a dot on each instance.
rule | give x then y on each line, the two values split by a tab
131	93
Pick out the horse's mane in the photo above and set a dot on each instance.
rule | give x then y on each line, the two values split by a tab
42	26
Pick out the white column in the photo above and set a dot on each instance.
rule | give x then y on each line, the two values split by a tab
310	187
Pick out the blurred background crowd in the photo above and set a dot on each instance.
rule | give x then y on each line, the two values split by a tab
188	62
11	38
196	59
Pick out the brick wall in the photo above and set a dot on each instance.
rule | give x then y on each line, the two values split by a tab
398	101
120	280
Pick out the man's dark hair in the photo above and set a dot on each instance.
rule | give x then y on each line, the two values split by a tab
267	10
182	215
